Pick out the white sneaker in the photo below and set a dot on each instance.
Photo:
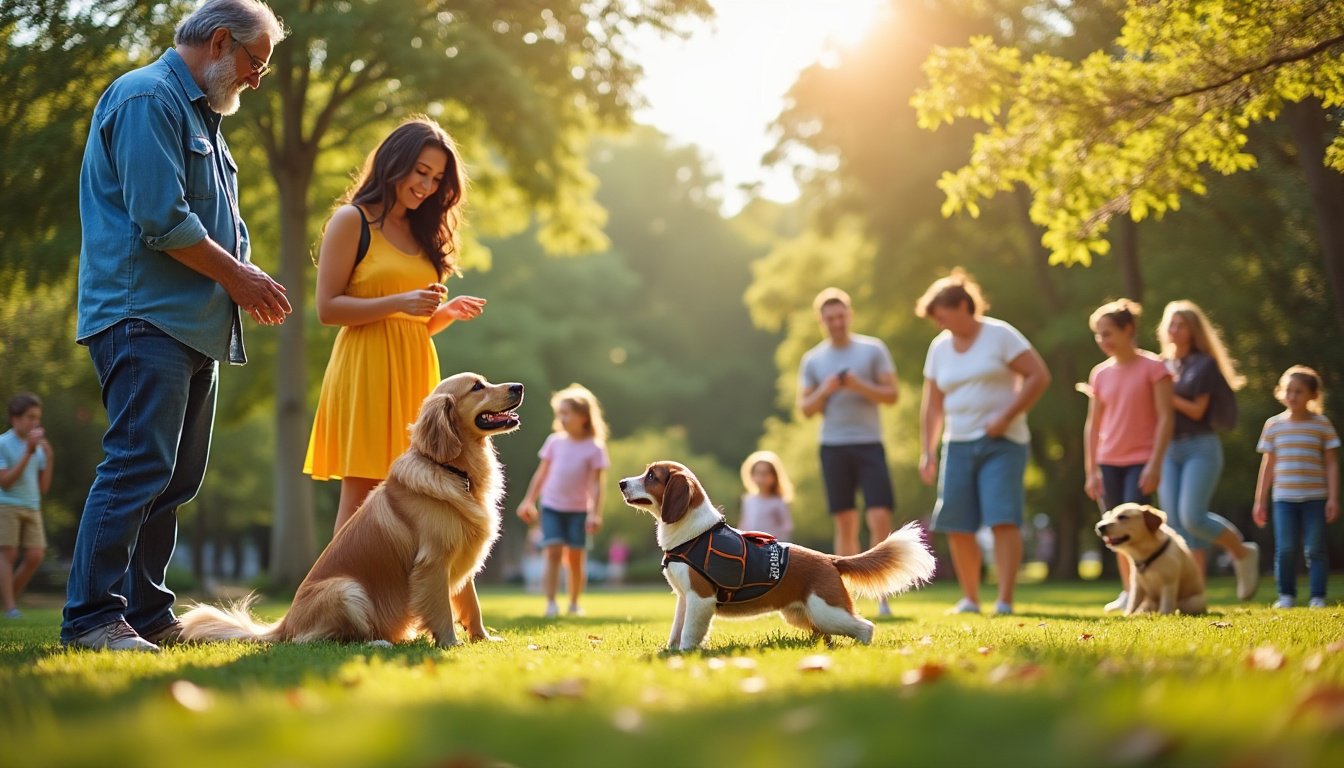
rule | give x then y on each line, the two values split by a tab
1285	601
1248	571
964	605
117	636
1120	602
1003	609
552	610
1316	602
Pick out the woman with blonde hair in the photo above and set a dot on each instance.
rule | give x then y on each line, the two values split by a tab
1204	380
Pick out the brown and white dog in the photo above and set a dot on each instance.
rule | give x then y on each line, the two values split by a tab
811	591
406	560
1163	577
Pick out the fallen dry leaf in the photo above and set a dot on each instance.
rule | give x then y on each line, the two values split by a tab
627	719
189	695
1143	745
1220	624
818	662
753	684
1085	636
1006	672
924	673
1326	703
1267	658
570	688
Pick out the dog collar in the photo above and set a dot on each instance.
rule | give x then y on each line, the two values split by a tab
1140	567
465	477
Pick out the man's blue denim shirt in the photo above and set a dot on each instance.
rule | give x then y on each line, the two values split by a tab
157	175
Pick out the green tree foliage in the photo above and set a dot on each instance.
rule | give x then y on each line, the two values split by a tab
1130	129
53	56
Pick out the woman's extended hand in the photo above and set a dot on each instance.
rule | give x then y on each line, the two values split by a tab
465	307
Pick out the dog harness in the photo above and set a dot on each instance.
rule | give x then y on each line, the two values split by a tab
1143	566
742	565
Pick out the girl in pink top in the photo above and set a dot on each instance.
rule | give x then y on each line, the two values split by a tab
1129	418
765	505
569	479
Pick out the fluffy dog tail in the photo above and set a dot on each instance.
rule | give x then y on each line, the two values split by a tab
898	563
234	622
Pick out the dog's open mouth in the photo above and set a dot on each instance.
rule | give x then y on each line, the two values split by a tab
1114	541
639	501
493	420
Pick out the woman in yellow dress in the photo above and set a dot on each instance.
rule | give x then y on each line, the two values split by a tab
406	203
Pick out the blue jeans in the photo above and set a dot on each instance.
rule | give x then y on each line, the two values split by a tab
1120	485
1190	473
160	401
980	483
1307	520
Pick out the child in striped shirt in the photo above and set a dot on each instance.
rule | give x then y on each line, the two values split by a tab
1299	468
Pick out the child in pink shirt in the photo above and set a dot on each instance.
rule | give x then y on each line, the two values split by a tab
569	480
1129	417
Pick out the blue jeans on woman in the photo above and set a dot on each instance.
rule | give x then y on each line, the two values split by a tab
1190	473
1302	521
160	401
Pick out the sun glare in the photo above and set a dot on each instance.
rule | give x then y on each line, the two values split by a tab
722	86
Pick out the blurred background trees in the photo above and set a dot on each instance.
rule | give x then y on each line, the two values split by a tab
606	260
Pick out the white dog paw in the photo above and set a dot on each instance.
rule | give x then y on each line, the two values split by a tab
380	643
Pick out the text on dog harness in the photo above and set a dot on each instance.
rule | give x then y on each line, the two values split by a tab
742	565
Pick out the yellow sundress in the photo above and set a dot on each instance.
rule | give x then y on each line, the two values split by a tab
378	375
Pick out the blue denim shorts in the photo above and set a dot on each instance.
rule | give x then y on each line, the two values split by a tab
980	484
567	528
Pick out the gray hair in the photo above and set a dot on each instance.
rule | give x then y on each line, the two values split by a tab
246	20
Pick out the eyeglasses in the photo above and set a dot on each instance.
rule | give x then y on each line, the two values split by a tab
259	68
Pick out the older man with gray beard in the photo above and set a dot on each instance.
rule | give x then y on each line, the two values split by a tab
165	274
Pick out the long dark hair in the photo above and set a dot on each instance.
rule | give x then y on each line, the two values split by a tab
434	224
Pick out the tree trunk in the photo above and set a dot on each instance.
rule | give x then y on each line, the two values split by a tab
1309	126
1127	255
1065	474
293	543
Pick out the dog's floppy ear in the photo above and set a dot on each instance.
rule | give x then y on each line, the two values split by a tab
1153	517
679	497
435	432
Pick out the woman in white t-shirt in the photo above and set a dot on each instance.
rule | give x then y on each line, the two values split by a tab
981	376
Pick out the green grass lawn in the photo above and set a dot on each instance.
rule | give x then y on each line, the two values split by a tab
1057	685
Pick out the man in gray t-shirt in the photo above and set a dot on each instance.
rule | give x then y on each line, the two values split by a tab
845	378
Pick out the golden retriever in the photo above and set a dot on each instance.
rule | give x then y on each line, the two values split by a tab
712	576
406	560
1163	576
